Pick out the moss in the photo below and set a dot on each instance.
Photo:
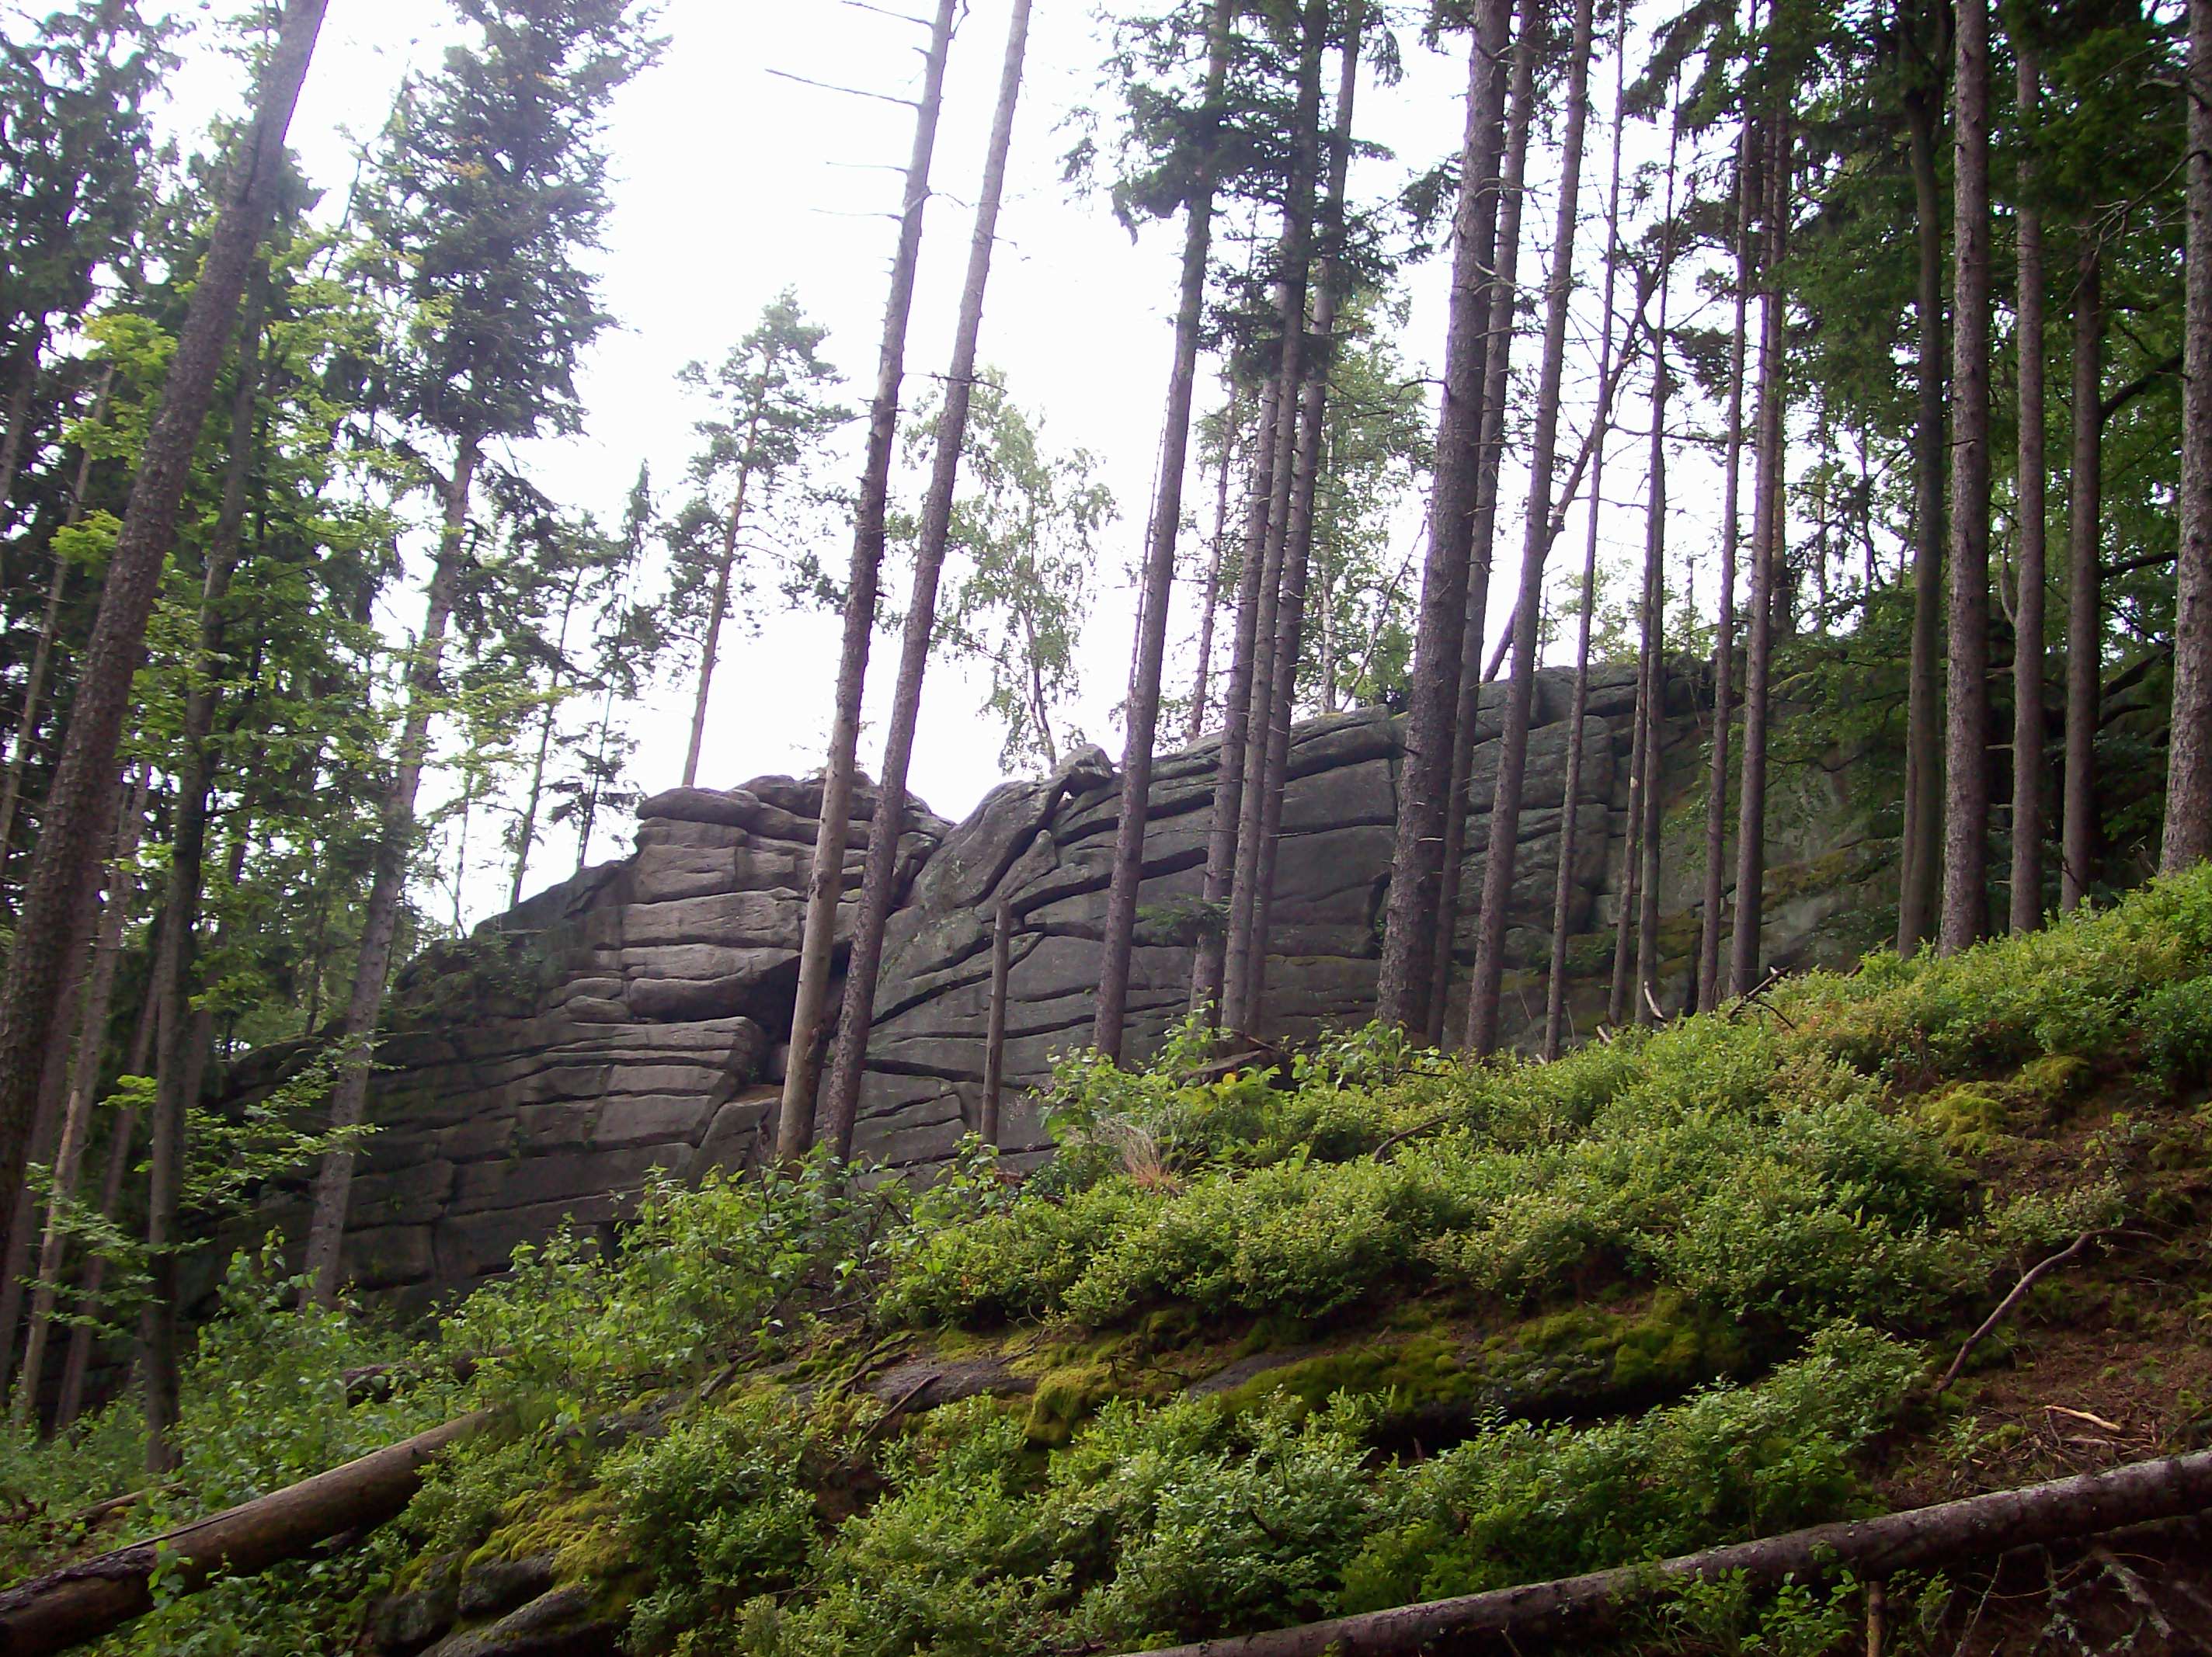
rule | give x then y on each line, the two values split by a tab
1972	1116
1567	1363
2053	1081
1064	1399
579	1531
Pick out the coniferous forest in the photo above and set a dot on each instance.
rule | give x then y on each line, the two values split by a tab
1710	499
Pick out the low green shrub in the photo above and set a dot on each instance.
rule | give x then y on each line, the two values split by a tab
1522	1502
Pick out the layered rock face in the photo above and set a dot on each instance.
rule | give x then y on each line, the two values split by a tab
633	1018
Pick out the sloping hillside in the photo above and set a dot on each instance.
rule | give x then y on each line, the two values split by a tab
1372	1327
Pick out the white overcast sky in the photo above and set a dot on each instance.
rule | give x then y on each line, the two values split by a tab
731	184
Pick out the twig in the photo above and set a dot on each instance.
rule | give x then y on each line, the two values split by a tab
850	92
2133	1587
2004	1307
899	1407
1413	1132
1877	1603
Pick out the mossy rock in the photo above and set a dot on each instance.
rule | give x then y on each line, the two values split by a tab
1587	1360
1064	1399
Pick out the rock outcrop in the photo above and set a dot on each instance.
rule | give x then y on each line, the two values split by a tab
633	1018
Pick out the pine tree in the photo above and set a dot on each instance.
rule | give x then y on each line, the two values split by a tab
2027	810
772	413
2188	837
1966	757
825	880
1452	586
1143	721
70	842
1513	744
880	872
491	190
1712	921
1769	525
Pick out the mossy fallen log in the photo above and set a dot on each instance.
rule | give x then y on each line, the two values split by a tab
85	1600
1919	1540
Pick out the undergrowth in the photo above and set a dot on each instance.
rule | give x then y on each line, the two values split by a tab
686	1428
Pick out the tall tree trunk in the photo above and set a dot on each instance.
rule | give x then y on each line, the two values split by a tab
2187	838
1467	723
635	519
45	1128
1143	730
1967	745
2085	634
1296	262
1769	517
2027	810
1513	744
1562	881
1414	933
1298	556
1210	602
42	653
717	607
825	880
380	919
879	880
67	858
22	384
1920	862
1210	966
1716	782
1655	640
76	1367
525	835
84	1084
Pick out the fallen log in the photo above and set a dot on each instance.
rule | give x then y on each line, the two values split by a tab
1921	1539
83	1601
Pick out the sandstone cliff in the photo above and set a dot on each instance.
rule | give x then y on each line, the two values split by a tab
633	1018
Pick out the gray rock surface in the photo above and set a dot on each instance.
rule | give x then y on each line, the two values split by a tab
630	1021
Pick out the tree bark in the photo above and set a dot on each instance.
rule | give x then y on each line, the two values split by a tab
1655	637
67	858
2188	839
1769	518
1467	726
1966	726
1563	882
1143	730
1210	602
81	1602
2084	637
42	653
77	1366
1918	1539
717	607
1920	862
1416	933
84	1084
1210	966
379	920
1513	743
525	834
825	879
45	1127
2027	812
879	880
1238	1011
1716	783
1290	611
